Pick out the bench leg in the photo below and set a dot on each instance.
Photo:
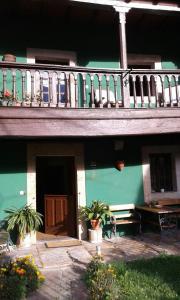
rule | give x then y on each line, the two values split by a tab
113	230
140	228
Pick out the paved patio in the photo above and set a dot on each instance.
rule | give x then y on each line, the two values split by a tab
64	267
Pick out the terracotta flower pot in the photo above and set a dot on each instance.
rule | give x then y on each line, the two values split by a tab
119	165
95	224
9	57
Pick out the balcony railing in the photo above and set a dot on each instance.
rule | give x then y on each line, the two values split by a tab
38	85
154	88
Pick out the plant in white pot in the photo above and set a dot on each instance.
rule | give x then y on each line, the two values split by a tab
24	220
95	213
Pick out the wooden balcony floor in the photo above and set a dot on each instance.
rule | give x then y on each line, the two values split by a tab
45	122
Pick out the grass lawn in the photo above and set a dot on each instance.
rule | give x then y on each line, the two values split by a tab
153	279
156	278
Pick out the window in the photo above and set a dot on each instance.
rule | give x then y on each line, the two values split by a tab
144	83
58	88
162	172
141	61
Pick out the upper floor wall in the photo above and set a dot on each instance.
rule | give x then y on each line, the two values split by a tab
90	31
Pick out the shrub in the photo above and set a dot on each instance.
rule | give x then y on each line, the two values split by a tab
102	280
18	278
12	287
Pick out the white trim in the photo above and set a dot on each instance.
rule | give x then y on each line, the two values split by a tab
57	149
56	55
148	6
122	207
140	5
143	59
148	195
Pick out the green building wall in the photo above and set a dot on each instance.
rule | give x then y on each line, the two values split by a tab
104	182
13	175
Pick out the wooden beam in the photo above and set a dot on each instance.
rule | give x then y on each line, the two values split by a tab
87	114
86	128
39	122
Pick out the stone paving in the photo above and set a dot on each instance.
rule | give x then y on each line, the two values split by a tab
64	267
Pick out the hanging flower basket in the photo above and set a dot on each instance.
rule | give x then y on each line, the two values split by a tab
119	165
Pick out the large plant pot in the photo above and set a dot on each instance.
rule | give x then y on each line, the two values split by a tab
95	224
24	242
95	235
9	57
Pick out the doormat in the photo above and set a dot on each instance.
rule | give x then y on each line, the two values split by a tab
64	243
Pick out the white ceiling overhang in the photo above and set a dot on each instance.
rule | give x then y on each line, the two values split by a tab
139	5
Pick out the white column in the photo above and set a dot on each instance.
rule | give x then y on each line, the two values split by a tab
122	38
122	34
123	52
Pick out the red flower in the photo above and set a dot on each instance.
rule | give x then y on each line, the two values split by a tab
7	93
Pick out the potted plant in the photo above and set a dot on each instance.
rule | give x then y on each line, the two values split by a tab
8	99
9	57
95	213
24	220
120	165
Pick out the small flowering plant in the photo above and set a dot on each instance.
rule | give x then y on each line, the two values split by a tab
7	95
101	280
19	277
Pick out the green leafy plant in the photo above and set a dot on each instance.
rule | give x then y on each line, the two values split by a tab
24	220
96	211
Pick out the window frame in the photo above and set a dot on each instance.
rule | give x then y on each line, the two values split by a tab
154	62
146	151
169	175
34	54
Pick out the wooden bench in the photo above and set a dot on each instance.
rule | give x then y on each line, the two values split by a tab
124	214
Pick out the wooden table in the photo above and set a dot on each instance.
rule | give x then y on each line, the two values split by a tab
166	217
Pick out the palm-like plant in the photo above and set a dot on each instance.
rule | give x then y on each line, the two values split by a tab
97	211
25	220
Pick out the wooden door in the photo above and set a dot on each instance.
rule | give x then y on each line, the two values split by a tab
59	215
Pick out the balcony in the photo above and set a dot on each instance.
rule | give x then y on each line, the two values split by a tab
54	100
55	86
